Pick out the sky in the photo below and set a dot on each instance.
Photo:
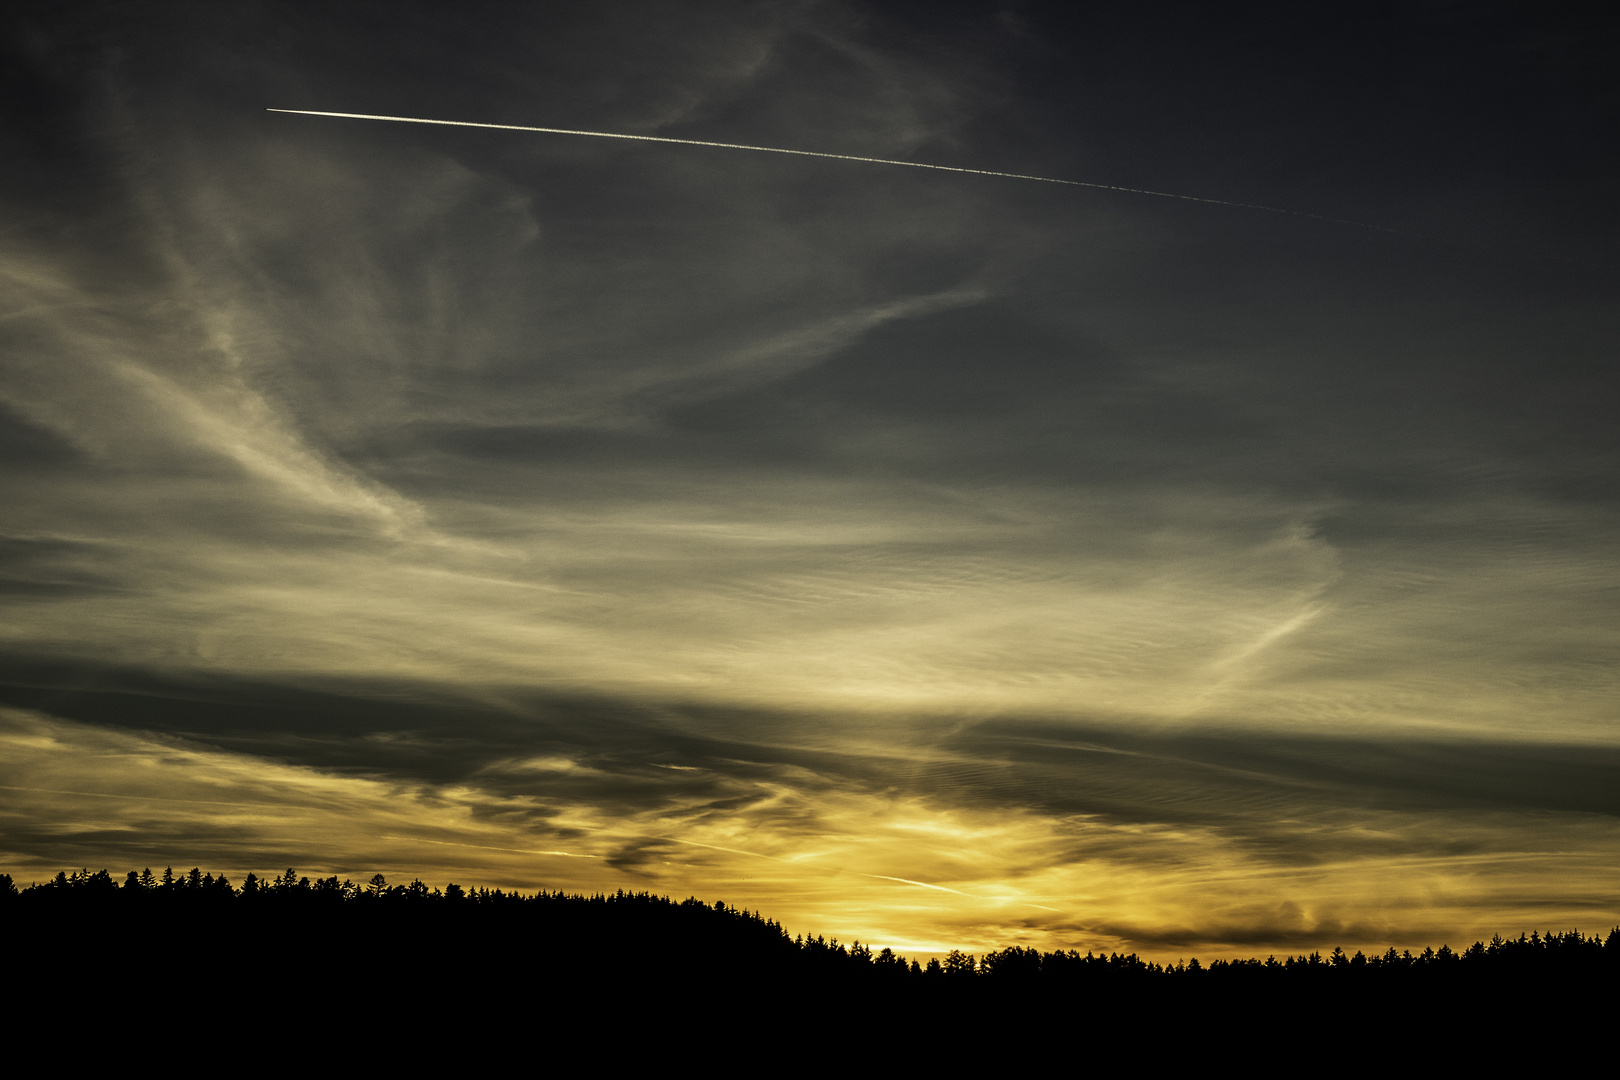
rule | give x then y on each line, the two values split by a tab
932	559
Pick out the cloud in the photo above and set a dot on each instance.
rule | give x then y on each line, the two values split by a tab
1005	832
1125	571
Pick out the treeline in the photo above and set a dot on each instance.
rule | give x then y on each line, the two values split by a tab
653	938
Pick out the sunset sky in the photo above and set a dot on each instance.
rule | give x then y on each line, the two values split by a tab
939	560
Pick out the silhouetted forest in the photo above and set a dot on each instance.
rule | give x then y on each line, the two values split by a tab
652	941
319	969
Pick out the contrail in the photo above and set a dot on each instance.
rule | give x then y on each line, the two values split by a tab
844	157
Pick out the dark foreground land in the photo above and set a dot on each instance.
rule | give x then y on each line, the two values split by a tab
301	957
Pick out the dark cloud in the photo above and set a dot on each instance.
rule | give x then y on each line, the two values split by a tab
629	756
49	567
26	446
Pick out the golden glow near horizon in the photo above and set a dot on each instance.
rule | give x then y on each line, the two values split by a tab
913	874
909	558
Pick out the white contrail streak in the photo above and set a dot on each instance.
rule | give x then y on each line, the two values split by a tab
839	157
